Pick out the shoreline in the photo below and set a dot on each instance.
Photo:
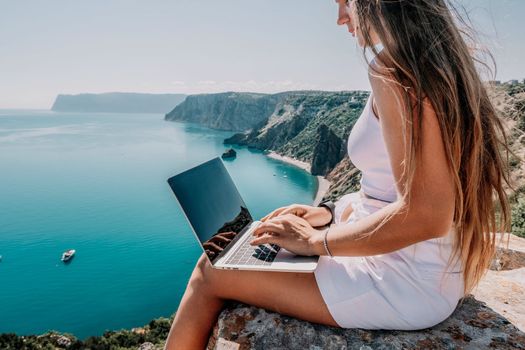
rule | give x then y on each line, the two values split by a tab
322	183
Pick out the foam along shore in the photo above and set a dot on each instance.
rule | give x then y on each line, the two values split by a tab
322	184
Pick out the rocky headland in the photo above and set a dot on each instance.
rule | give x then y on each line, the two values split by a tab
117	102
310	126
235	111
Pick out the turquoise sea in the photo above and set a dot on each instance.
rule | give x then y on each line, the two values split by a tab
97	183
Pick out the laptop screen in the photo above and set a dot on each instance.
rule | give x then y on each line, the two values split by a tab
212	204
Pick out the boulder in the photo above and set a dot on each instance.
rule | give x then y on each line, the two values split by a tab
147	346
473	325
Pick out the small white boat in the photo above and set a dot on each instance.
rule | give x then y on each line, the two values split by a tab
67	255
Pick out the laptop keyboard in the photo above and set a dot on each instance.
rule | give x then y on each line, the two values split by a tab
247	254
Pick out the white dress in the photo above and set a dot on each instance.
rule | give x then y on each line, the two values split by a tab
412	288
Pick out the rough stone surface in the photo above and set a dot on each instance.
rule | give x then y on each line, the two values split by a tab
504	291
472	326
147	346
510	254
503	287
63	341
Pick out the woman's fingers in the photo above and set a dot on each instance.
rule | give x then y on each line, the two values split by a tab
268	226
270	215
267	238
289	210
274	213
293	209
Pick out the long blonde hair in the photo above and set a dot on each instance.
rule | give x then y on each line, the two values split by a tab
426	52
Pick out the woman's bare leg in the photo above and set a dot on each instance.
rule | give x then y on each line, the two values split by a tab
292	294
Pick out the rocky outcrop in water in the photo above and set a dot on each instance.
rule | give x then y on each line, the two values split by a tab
229	154
117	102
235	111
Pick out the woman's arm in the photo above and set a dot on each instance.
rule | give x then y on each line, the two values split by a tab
428	212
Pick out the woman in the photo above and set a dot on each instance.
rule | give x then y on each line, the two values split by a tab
420	233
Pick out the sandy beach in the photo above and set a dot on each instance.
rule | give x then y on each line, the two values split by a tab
322	184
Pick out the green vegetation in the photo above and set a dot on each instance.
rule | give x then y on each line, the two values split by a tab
291	129
513	111
155	333
518	216
514	89
338	111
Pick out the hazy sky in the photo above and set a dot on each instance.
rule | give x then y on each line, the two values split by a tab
188	46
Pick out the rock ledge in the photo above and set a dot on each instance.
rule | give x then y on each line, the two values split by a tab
472	326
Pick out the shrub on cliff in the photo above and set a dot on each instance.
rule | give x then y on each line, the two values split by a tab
518	217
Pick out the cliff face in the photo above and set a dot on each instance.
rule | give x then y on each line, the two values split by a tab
344	178
117	102
328	151
309	126
233	111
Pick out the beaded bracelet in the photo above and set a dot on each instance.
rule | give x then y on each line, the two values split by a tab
325	241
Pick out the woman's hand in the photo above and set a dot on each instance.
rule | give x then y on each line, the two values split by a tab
291	232
315	216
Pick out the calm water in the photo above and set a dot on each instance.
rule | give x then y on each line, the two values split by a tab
97	183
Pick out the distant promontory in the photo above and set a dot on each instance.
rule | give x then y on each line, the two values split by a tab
233	111
117	102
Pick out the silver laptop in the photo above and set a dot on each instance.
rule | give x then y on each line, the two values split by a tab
223	224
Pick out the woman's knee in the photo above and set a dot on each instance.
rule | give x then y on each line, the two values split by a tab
202	274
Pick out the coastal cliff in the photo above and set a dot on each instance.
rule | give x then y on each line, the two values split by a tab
117	102
311	126
234	111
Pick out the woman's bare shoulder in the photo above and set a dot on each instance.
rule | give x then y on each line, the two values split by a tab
391	96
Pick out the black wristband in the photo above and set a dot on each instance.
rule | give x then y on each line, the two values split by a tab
331	206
